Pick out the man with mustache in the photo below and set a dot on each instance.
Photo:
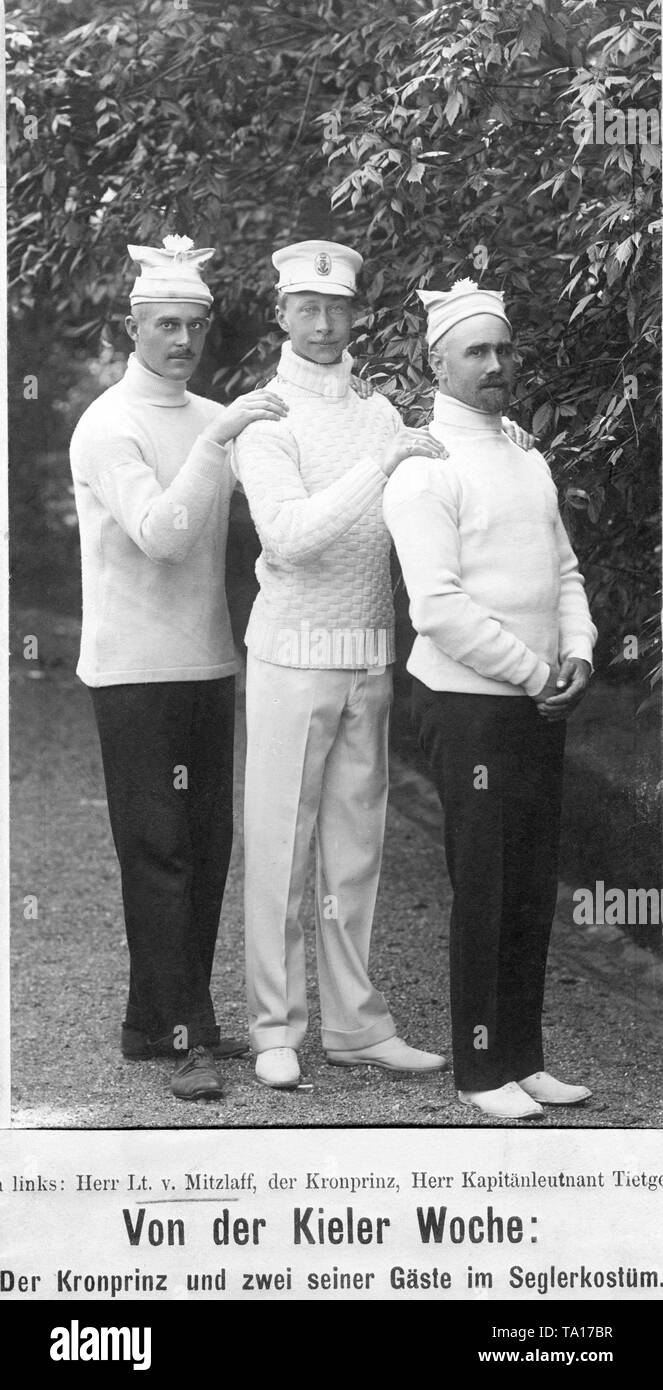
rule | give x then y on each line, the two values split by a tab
502	657
153	481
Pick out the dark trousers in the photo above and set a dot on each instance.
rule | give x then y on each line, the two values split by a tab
167	751
497	766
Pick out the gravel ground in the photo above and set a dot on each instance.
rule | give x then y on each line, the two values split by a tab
602	1019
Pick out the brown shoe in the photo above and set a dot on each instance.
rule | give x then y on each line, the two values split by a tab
196	1078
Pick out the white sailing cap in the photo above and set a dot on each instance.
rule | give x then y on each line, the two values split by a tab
171	272
324	266
465	299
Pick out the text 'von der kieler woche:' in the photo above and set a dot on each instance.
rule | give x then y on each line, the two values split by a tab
205	1232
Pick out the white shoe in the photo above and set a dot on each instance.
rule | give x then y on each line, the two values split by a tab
393	1054
278	1067
506	1103
544	1088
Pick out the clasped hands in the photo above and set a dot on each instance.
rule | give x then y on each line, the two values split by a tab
563	689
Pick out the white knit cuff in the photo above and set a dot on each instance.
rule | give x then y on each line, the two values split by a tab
207	458
581	649
535	683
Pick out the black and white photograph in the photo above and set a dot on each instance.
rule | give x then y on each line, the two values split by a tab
333	956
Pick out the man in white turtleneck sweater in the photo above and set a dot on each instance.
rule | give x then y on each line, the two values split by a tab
153	481
502	656
320	642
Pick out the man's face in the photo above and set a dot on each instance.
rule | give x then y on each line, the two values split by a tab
474	363
169	338
318	325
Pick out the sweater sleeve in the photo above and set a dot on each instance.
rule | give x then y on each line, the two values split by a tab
164	522
424	526
293	525
577	633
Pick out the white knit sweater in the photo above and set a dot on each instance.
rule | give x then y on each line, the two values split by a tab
152	501
495	592
314	483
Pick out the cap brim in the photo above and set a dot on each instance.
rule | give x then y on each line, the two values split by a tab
434	336
181	297
326	287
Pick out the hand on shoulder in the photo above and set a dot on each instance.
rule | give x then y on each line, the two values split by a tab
261	404
412	444
361	387
518	435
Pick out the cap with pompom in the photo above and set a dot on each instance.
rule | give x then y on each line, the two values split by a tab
170	272
465	299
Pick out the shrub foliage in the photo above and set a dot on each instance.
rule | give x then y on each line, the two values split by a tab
518	143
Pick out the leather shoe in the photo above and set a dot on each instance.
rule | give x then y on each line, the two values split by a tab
505	1103
548	1091
278	1067
196	1078
137	1047
393	1054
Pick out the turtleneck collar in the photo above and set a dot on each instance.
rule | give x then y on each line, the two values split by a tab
152	389
449	411
328	381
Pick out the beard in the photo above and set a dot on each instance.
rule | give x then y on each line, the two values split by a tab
493	397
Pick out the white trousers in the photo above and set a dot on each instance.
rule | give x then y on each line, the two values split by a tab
317	759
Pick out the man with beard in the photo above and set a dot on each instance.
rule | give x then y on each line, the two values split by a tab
502	657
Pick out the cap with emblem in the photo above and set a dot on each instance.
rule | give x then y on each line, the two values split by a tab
171	272
325	266
465	299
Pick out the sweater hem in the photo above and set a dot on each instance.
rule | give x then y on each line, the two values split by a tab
463	684
153	675
310	648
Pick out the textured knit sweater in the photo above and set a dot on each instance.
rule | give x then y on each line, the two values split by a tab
495	592
152	501
314	483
